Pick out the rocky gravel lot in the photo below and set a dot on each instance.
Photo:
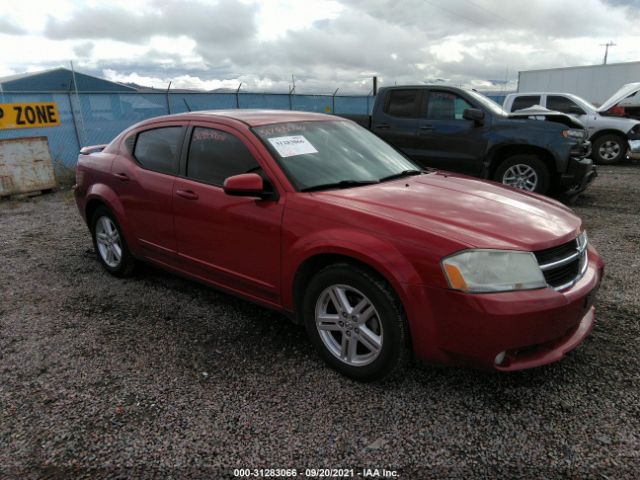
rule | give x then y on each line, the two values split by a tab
157	376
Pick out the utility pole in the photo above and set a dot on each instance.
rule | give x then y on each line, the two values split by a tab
606	50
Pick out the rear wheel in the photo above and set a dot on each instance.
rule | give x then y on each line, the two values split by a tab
526	172
356	323
609	149
110	244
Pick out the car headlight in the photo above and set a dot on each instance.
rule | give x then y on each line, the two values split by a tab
481	271
575	133
582	240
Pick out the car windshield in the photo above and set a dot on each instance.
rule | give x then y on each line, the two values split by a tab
333	154
487	103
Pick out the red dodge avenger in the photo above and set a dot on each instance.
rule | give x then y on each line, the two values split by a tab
318	218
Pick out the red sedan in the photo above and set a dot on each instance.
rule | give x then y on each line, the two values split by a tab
316	217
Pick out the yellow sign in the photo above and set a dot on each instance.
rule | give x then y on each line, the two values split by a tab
28	115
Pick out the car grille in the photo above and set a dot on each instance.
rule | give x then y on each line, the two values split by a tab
564	265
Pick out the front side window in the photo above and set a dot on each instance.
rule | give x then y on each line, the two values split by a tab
157	149
563	104
446	106
525	101
215	155
313	154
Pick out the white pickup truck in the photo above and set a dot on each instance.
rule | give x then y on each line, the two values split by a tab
614	127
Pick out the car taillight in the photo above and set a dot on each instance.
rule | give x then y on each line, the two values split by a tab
79	176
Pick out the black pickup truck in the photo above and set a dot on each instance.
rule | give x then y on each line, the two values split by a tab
463	131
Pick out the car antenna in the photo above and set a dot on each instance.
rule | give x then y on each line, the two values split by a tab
185	102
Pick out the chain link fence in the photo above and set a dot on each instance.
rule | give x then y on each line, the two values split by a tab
96	118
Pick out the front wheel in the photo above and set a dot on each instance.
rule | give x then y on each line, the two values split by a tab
526	172
356	323
609	149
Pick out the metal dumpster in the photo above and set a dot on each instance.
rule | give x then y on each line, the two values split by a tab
25	166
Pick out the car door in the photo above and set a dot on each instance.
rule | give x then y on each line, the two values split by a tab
231	241
446	140
143	181
397	121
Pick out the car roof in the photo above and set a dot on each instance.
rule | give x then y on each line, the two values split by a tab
517	94
253	117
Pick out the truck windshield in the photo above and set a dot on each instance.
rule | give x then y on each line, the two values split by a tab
332	154
586	106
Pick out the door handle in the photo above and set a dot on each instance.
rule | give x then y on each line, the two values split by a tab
427	127
121	176
188	194
382	125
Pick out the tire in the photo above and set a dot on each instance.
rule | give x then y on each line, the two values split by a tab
527	172
609	149
108	241
380	342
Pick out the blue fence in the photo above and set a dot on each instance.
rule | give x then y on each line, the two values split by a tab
96	118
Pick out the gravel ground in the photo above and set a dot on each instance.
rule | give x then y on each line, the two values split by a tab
156	376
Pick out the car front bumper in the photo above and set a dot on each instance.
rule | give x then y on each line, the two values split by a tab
634	146
528	328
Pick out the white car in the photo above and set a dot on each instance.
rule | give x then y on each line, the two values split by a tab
611	130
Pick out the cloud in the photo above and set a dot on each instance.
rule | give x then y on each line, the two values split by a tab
227	21
84	49
10	28
463	42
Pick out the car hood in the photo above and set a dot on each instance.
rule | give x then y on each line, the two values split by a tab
620	98
476	213
537	111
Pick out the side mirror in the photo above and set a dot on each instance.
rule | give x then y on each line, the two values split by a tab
474	115
574	109
244	185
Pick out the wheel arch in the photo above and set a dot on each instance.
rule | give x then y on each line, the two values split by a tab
500	154
315	263
102	195
607	131
374	255
92	205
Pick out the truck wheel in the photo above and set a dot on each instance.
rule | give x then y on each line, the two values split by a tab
356	322
110	245
526	172
609	149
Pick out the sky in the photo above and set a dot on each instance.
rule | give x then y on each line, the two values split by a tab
318	45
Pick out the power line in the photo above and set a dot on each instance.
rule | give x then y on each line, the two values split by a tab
482	7
452	12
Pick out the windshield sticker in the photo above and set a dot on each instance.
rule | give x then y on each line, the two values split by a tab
292	145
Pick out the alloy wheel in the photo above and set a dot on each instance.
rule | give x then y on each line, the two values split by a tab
349	325
108	242
521	176
609	150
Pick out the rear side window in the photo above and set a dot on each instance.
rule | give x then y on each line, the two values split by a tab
563	104
215	155
525	101
157	149
403	103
